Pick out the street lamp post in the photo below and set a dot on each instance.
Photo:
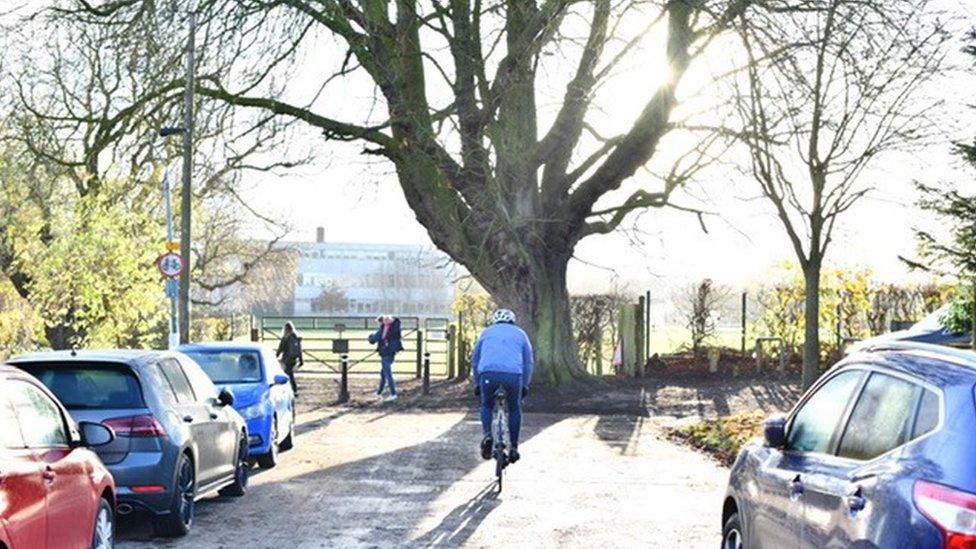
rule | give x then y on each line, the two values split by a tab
186	194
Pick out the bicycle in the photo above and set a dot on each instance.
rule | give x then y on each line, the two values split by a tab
499	432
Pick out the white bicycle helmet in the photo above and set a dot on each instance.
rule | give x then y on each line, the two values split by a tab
503	315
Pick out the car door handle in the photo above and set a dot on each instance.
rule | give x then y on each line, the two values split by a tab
213	415
855	500
796	487
188	419
49	474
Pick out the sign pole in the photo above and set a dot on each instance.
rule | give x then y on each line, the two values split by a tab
172	287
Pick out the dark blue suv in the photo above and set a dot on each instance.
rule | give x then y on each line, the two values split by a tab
880	452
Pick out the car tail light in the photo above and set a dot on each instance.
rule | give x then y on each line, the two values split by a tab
952	511
145	425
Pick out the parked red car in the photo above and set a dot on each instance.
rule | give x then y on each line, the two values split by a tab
54	491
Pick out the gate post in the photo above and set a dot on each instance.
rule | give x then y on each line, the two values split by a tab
344	379
426	382
420	351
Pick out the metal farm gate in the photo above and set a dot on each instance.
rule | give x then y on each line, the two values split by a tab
430	335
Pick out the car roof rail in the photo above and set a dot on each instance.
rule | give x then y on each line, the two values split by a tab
943	350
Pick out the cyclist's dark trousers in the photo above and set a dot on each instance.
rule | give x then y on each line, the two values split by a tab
490	382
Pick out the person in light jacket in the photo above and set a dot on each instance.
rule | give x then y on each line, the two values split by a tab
389	342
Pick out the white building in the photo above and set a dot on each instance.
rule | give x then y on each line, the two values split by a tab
336	279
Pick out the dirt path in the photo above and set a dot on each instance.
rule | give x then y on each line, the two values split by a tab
387	476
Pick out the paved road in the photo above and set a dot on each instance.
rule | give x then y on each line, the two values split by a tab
386	477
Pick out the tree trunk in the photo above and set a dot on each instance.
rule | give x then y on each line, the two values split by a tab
540	300
62	337
811	311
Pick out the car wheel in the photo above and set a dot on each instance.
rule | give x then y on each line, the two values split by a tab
270	458
180	517
241	472
289	441
732	533
104	531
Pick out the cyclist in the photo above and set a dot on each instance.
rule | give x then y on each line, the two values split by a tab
502	357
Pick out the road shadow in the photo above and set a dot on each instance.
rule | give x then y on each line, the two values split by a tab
458	525
377	501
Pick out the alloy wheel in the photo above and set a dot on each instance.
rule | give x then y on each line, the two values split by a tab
187	491
733	540
104	529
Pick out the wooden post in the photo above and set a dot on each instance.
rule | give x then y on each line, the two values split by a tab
743	323
451	350
426	375
420	351
647	324
344	379
639	335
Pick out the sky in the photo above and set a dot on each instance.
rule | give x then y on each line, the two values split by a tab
359	200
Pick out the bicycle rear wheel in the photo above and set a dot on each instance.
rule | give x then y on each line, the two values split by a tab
501	458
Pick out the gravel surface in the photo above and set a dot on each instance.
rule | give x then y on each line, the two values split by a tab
393	474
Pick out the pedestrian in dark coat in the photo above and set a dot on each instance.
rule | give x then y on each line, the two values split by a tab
290	353
389	342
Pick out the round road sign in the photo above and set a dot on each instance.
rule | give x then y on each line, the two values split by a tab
170	264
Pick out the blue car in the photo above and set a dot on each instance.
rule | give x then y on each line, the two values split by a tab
880	452
262	393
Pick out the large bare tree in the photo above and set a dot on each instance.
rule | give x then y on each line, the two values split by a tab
830	90
503	184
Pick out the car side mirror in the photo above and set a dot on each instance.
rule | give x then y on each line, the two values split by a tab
774	431
225	398
281	379
95	434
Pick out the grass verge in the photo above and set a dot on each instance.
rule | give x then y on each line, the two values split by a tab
722	438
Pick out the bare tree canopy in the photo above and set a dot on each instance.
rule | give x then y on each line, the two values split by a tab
829	90
507	188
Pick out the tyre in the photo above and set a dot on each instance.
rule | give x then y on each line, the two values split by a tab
241	472
289	442
269	459
103	536
180	517
732	533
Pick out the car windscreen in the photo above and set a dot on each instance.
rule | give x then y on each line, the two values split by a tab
229	366
95	386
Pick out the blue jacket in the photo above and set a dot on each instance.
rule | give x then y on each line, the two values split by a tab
503	348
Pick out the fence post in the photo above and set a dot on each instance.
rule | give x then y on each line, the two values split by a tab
759	354
426	381
639	359
451	351
462	359
420	350
344	379
782	357
743	323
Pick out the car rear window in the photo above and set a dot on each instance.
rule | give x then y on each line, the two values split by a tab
229	366
95	386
